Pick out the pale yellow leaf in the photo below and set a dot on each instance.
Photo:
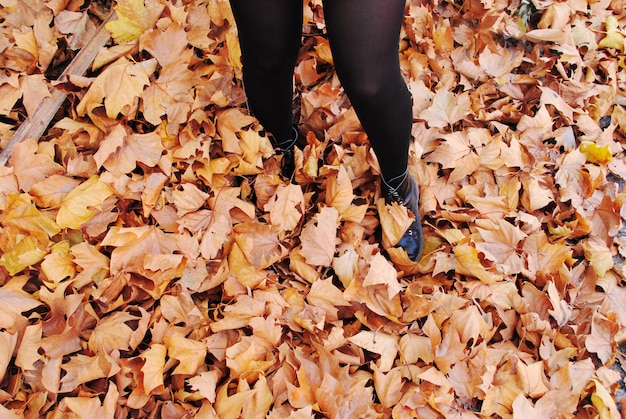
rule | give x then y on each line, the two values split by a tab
76	207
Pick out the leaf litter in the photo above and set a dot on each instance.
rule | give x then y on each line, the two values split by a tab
154	263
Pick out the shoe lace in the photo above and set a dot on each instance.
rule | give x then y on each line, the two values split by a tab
392	193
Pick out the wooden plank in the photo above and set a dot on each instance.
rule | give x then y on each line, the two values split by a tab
35	126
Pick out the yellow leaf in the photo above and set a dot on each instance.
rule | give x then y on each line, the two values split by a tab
234	51
468	263
22	214
134	18
75	209
595	154
614	37
604	402
58	264
26	252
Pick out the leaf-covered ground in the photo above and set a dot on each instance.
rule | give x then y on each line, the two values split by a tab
154	263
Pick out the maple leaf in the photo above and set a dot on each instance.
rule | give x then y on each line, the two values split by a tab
81	369
114	333
502	244
76	206
49	193
383	344
601	340
318	237
152	369
34	90
134	18
339	191
381	272
57	265
446	109
189	353
118	85
458	151
206	384
259	243
30	166
286	206
468	263
9	342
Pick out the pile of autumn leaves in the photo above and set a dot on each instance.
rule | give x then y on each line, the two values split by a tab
154	263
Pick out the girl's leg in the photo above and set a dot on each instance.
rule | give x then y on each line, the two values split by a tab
270	33
364	36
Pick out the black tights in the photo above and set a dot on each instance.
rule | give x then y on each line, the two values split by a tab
363	36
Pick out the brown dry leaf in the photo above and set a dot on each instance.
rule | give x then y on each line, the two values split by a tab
602	338
286	206
339	193
31	167
117	87
318	237
446	109
260	243
383	344
381	272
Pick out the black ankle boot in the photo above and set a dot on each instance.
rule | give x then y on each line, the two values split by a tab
407	195
286	149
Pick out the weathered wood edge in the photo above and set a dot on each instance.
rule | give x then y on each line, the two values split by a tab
34	127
